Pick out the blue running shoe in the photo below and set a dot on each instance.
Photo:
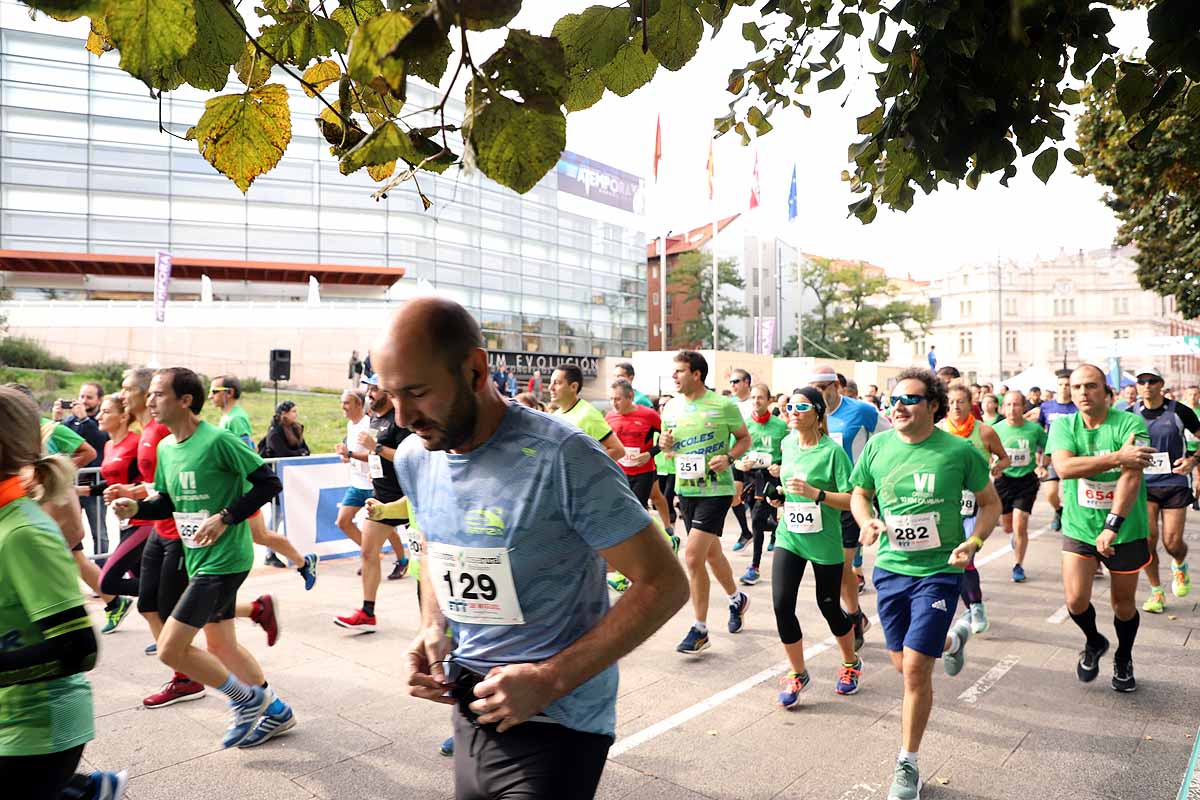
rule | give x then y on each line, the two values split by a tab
109	785
1018	575
771	545
848	677
245	716
791	685
740	544
737	613
750	578
309	570
151	649
675	545
694	643
277	719
447	747
1056	523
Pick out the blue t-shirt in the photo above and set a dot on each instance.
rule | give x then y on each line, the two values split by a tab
551	496
1051	410
853	423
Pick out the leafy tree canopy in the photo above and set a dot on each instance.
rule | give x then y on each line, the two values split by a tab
692	274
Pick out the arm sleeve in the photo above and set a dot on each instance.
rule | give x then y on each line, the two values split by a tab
1188	418
160	506
264	485
594	494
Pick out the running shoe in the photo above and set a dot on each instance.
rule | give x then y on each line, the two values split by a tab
848	677
1018	573
740	544
151	649
1088	666
862	624
1123	676
737	613
272	560
750	578
447	747
675	544
1155	603
694	643
790	687
906	782
953	659
771	545
271	725
359	620
862	582
264	613
979	618
118	613
619	583
1056	523
1181	580
309	570
179	689
109	785
400	570
246	715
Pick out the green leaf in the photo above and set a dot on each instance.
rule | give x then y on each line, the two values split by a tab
1134	90
351	13
590	40
515	143
870	123
152	35
219	44
370	45
321	75
1045	163
484	15
426	49
1105	75
253	68
756	118
67	10
245	135
851	23
833	80
1074	156
675	33
584	91
630	70
382	145
300	37
1070	96
753	34
533	66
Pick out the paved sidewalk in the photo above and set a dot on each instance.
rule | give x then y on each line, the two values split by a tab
1014	724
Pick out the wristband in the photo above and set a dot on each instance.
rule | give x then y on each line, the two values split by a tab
820	497
978	543
1113	522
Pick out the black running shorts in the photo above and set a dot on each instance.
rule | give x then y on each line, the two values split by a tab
209	598
705	514
1169	496
1129	557
642	485
1017	492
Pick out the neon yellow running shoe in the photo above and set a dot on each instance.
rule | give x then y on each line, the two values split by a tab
1181	581
1155	603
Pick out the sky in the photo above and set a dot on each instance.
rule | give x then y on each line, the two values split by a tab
943	231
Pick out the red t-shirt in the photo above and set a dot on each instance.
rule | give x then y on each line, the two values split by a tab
635	430
120	463
147	461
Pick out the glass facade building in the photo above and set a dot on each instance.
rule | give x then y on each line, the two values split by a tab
84	168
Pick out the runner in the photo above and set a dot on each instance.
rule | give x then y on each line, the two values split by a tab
657	497
1100	455
698	426
1168	484
226	394
1025	444
379	443
760	466
532	669
1129	397
201	480
851	424
960	422
1044	413
991	410
624	371
82	420
355	456
566	383
917	474
665	466
637	428
739	384
1191	397
48	640
816	487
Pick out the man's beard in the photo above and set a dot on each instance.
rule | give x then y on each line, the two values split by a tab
460	422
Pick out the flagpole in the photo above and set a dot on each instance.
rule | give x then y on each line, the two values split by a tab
793	213
716	287
662	242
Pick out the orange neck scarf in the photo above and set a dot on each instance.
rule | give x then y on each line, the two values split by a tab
963	430
11	489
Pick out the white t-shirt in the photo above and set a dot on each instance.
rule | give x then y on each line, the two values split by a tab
360	471
745	406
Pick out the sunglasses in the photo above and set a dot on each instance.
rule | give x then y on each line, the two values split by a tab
1146	381
798	408
735	381
219	389
908	399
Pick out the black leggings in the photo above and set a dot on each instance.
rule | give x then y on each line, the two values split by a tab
666	485
972	589
127	558
46	777
786	574
163	577
763	517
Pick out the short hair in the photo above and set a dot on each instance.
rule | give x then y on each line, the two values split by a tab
935	390
184	381
231	383
626	367
1037	389
695	362
852	385
958	387
140	376
98	387
357	395
742	374
453	332
23	389
1017	392
529	400
872	386
948	373
766	389
572	373
1192	386
841	379
623	386
1062	373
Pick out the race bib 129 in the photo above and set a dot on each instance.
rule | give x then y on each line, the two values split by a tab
474	584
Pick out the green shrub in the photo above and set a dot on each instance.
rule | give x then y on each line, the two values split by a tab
18	351
107	373
251	385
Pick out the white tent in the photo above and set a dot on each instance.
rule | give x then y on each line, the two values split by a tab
1034	376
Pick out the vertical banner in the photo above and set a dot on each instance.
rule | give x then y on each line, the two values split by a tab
162	284
766	336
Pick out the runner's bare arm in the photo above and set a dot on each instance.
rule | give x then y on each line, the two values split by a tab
992	440
1068	465
612	445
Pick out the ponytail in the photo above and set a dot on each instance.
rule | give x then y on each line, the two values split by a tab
54	479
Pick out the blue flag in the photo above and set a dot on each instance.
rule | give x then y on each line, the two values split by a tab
792	212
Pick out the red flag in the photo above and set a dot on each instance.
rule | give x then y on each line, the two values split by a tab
754	190
657	145
710	170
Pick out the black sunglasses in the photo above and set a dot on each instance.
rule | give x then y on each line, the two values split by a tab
1148	381
907	399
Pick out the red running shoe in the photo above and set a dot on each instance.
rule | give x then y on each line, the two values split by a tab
264	613
359	620
177	690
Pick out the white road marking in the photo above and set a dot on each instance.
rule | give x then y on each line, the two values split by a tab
1058	616
989	679
861	791
627	743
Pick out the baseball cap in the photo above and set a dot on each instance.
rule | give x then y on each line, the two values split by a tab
371	381
1151	371
821	374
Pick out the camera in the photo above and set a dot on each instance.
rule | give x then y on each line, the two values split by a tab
65	404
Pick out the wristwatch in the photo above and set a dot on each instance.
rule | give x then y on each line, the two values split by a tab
820	497
378	449
226	517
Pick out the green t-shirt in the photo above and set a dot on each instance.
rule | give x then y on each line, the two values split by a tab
38	579
1086	502
62	439
587	418
702	427
664	464
919	488
825	466
237	422
204	474
640	399
1022	443
767	438
1193	444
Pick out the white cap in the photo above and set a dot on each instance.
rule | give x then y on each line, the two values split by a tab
822	373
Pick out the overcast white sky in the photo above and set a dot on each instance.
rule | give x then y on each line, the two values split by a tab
942	231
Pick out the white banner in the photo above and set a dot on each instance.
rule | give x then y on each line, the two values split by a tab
1142	346
312	489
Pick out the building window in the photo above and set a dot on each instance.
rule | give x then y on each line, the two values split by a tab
670	333
1121	333
654	299
1064	306
1120	305
1010	342
1010	306
1064	341
965	309
918	347
966	343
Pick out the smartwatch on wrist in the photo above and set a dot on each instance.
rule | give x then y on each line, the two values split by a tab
378	448
226	517
820	497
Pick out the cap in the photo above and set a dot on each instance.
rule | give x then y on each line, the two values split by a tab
1151	371
821	374
373	380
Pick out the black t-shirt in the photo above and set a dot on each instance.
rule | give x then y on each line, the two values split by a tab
389	434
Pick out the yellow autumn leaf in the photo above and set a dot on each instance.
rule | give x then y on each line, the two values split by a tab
244	135
381	172
321	75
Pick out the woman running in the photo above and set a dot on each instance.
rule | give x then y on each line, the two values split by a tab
767	433
816	482
991	409
49	643
961	422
